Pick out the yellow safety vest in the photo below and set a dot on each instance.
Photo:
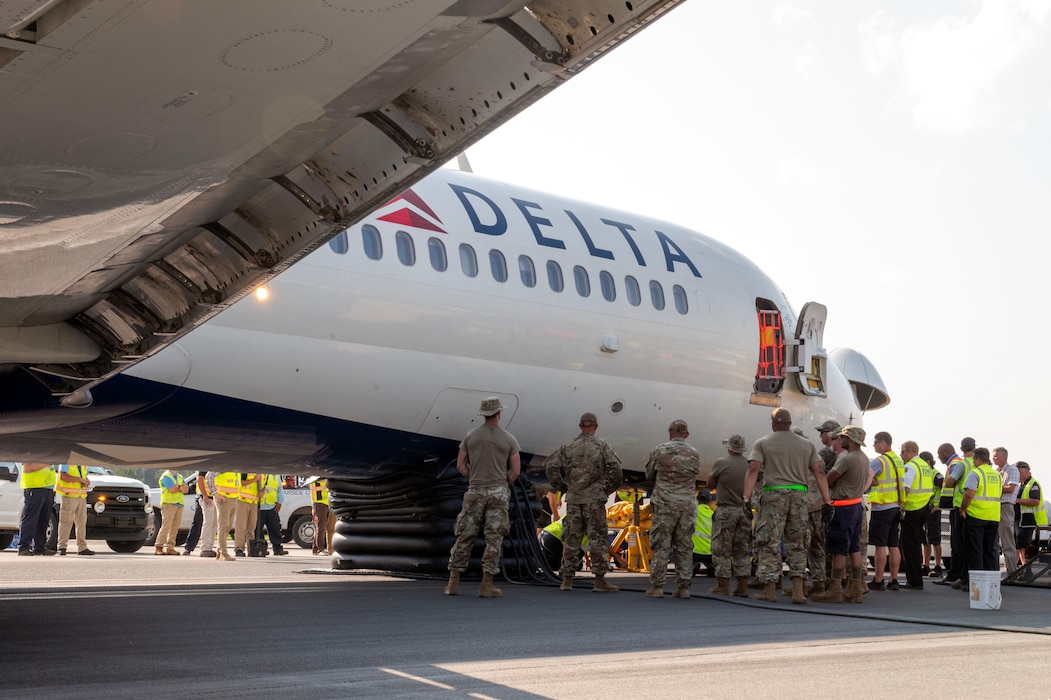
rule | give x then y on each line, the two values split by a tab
166	495
228	484
885	487
270	484
41	478
1039	513
949	492
72	489
986	502
319	491
249	491
702	531
630	496
957	490
922	485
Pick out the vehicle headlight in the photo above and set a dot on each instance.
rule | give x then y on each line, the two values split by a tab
99	506
148	508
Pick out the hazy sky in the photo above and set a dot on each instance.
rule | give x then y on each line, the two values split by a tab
889	160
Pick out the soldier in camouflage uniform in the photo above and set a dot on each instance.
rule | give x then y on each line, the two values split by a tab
731	530
785	459
674	467
587	469
490	462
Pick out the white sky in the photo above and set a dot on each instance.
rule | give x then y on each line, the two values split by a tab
890	160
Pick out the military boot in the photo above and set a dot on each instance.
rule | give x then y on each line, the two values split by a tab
604	586
567	583
453	587
769	593
723	587
855	592
817	587
487	589
834	594
742	587
786	586
655	592
682	591
798	590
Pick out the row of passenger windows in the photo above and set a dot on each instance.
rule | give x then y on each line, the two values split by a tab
405	246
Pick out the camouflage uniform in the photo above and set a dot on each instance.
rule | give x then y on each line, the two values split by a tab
731	528
587	469
674	467
486	505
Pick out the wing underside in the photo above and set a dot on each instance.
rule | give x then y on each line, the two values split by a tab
162	159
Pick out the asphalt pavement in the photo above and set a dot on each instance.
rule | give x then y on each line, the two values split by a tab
170	627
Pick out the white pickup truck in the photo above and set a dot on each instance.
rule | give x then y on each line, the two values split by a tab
119	509
296	521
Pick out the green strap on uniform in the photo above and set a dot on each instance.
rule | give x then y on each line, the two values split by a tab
793	487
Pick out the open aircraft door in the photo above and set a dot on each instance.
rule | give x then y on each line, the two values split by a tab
809	359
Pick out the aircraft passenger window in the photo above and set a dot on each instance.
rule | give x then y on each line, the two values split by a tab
554	276
340	245
527	271
580	279
468	260
679	294
406	248
631	287
498	264
436	250
370	240
657	295
609	288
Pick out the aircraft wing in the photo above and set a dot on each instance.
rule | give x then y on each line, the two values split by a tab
160	159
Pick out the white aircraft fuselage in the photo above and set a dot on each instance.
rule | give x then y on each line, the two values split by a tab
373	353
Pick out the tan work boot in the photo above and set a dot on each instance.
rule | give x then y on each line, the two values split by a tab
567	583
487	589
817	587
742	587
769	593
834	594
158	550
722	587
682	591
855	592
655	592
604	586
453	587
798	590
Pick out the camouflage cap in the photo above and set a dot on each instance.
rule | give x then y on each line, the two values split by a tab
736	443
677	426
589	418
799	432
491	406
829	426
853	433
781	415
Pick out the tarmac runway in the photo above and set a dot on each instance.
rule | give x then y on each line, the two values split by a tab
135	626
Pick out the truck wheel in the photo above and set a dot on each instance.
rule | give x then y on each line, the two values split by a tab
125	546
52	532
153	525
303	531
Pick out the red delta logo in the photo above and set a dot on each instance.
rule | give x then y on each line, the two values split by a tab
412	214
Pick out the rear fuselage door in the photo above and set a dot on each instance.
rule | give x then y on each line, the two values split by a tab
809	359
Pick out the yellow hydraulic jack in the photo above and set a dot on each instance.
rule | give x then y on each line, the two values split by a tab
638	554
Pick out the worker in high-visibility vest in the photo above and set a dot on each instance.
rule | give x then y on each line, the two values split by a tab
38	491
72	486
1033	512
319	505
918	478
980	510
247	514
273	496
702	534
958	468
173	489
886	498
226	496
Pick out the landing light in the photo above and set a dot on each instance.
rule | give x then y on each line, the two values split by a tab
262	293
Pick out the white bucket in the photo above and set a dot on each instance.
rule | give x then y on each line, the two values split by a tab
984	591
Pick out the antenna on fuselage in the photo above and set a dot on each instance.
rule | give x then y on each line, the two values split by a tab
463	163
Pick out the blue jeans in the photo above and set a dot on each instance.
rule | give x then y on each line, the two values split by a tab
36	512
